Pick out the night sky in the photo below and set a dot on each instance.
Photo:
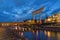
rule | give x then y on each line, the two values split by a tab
19	10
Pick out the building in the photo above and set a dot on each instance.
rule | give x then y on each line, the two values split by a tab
55	18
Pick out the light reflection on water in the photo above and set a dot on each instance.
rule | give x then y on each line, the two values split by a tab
31	35
43	35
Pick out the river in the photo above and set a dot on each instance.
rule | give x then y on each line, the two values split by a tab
37	35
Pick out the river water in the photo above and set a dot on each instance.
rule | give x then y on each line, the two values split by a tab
37	35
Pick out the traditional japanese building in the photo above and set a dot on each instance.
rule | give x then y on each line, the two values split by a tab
55	18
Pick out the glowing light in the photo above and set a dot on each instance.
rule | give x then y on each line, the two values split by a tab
37	32
49	34
29	28
21	33
2	24
49	19
45	32
20	28
23	29
16	27
33	31
7	24
15	24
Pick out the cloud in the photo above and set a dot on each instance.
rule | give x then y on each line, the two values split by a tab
22	9
5	12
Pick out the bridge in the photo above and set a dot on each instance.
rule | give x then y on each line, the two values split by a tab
30	24
3	24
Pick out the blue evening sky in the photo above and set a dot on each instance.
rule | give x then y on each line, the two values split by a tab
19	10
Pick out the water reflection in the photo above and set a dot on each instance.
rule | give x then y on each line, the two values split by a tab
50	35
6	34
43	35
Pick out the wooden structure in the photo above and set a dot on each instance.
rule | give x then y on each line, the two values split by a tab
39	11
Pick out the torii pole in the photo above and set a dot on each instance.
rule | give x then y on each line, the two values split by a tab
40	18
